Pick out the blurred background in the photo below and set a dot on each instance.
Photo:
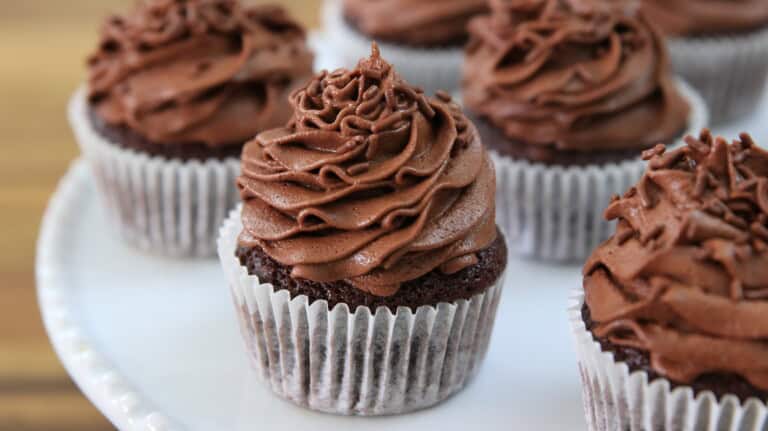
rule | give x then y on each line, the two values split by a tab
43	45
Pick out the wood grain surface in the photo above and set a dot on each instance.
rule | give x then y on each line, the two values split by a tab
43	44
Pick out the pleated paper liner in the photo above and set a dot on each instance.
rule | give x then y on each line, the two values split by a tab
729	71
555	213
357	362
617	399
161	206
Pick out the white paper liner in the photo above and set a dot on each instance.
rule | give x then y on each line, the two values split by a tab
729	71
162	206
431	69
615	399
357	362
555	213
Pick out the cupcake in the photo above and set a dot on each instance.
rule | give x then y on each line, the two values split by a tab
567	94
365	262
423	38
720	47
175	89
669	327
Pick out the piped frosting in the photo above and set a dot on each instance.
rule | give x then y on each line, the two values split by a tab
572	75
685	277
371	183
707	17
414	22
203	71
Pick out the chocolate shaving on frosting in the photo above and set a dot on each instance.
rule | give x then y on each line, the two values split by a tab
204	71
685	278
575	75
414	22
371	182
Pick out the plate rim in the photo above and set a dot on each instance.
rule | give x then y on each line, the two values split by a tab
96	376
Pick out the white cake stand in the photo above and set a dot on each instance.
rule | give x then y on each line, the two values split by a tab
154	344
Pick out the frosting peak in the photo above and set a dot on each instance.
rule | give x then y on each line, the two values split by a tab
576	75
414	22
685	277
208	71
371	182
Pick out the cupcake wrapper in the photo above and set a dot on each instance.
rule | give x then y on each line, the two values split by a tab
168	207
555	213
431	69
357	362
730	72
615	399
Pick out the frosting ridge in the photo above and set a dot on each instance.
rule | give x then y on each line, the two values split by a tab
371	182
572	75
203	71
414	22
685	277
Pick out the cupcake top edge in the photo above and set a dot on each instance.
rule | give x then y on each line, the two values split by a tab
419	23
205	71
573	75
707	18
685	276
371	183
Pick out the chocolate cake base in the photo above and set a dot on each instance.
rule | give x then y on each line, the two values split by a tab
129	139
495	140
721	384
430	289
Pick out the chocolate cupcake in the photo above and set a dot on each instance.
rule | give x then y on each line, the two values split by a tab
567	94
422	38
720	47
365	262
670	335
175	89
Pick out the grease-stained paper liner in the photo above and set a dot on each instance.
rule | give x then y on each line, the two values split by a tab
357	362
431	69
162	206
729	71
616	399
555	213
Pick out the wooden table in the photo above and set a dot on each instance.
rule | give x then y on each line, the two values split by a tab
43	44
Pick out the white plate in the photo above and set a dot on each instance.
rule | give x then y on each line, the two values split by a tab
154	344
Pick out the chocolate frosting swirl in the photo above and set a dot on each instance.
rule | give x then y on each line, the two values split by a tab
414	22
576	75
706	17
203	71
370	183
685	277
